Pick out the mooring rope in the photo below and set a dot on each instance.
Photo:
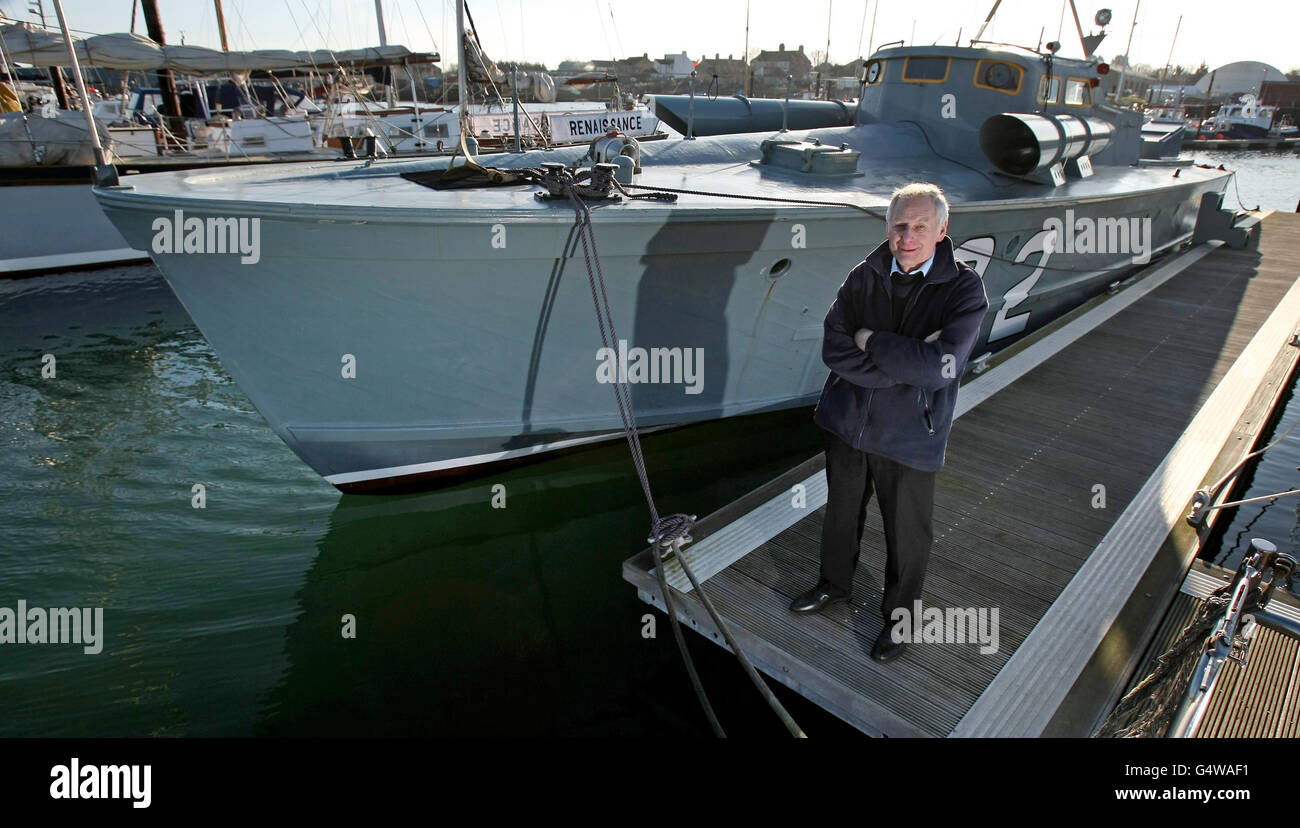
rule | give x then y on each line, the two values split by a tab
1149	708
669	531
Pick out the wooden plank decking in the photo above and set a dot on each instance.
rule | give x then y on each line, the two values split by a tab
1260	700
1130	405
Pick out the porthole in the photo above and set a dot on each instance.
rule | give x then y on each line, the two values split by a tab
779	268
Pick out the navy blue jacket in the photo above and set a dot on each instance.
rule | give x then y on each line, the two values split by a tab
897	399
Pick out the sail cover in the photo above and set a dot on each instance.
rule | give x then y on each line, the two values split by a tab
42	47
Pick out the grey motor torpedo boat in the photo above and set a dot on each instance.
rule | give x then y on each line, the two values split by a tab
392	333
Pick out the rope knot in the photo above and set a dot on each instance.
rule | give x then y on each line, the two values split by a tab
668	529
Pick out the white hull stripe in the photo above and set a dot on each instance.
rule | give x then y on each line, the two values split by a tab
473	460
90	257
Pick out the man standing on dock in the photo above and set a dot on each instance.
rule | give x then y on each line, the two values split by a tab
897	338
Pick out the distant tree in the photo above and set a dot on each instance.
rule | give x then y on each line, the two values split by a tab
1293	74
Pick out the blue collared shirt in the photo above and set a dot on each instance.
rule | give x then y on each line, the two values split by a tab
925	268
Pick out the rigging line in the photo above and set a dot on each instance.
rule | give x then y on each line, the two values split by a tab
601	20
367	115
427	30
928	143
501	21
478	44
614	25
302	40
1238	191
1242	463
392	74
250	41
863	28
402	17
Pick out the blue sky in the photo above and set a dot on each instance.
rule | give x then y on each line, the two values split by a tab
553	30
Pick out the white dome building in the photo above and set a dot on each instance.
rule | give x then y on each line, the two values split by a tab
1238	78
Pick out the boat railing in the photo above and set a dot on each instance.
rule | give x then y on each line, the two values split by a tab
1232	637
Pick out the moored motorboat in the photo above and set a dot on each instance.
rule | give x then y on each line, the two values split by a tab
393	334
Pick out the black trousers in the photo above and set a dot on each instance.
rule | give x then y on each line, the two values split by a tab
906	498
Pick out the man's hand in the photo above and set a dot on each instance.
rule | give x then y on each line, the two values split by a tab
861	337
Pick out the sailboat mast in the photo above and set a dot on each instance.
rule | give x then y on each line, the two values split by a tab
462	75
830	4
171	102
221	26
983	26
746	54
871	40
383	41
379	18
1164	72
105	174
1128	55
1078	27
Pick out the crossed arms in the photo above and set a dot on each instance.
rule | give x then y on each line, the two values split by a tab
893	358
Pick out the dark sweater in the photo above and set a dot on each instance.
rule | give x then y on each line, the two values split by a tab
897	399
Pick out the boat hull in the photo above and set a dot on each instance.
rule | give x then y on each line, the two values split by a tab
57	226
1239	130
393	352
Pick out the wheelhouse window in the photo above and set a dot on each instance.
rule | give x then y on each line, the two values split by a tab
1078	92
926	69
1049	90
999	76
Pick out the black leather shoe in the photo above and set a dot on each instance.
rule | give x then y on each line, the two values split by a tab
817	599
886	648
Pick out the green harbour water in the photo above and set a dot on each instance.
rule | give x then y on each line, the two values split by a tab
228	620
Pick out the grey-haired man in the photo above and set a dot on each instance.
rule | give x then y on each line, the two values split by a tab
897	338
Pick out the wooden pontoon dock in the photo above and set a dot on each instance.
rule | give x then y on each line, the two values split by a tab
1148	392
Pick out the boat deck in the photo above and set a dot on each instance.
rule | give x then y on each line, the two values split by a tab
1148	393
1261	700
721	166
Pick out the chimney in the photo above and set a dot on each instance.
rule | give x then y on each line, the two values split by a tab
801	47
